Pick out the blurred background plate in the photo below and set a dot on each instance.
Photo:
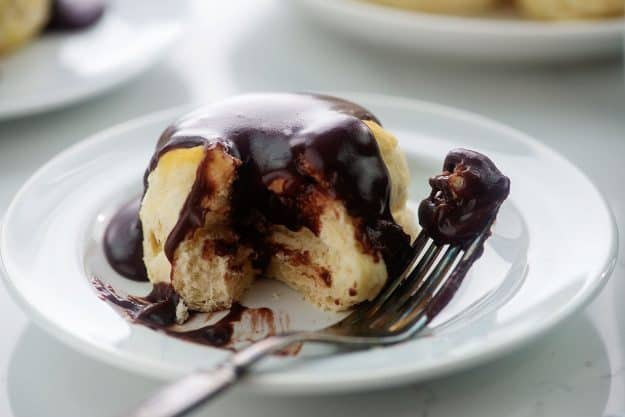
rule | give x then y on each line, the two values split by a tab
58	69
502	36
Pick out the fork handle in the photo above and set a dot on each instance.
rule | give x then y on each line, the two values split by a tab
182	396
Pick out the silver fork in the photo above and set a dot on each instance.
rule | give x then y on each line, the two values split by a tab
403	308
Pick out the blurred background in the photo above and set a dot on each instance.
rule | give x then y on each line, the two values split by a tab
562	83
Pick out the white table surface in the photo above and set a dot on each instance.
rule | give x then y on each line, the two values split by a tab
579	109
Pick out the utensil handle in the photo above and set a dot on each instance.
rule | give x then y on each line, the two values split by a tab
184	395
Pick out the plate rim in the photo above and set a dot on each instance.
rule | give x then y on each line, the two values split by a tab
277	382
118	78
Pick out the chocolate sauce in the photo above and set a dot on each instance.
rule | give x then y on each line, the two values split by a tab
465	198
123	241
157	311
294	150
70	15
218	334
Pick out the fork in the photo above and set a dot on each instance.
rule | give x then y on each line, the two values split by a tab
404	308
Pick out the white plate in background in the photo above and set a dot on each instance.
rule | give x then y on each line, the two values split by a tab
60	68
553	247
504	37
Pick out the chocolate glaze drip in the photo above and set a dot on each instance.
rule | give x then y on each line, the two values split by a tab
192	214
465	198
69	15
157	311
293	149
123	241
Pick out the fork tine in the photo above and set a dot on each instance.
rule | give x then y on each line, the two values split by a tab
365	309
423	307
411	304
412	277
419	290
417	248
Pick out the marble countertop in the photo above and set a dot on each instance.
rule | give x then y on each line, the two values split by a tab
248	45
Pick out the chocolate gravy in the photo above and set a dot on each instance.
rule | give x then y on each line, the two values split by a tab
123	242
157	311
465	197
310	145
313	145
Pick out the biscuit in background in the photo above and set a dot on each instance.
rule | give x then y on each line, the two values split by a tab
571	9
441	6
20	21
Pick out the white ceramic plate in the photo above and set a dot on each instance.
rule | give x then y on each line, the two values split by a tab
58	69
500	37
553	248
